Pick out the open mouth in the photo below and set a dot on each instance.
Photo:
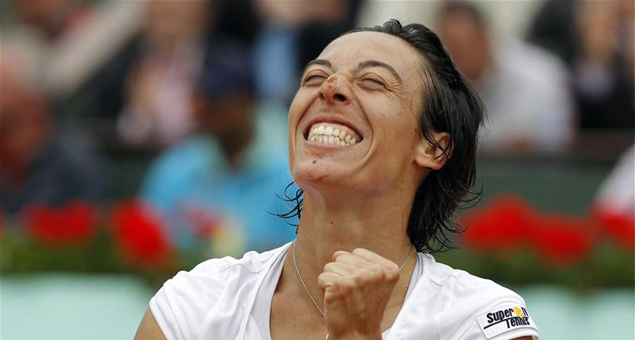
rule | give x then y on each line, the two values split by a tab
333	134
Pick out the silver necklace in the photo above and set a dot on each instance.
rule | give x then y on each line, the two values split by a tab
295	264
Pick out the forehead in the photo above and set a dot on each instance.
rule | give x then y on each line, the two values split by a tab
351	49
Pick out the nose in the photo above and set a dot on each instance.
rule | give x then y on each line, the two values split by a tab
335	91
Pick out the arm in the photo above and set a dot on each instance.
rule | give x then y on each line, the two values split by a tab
149	329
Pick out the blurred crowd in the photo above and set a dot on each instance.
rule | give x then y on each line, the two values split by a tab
199	89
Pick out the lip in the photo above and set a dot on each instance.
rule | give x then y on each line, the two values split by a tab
330	119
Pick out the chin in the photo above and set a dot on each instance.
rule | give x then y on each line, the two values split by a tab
333	181
312	172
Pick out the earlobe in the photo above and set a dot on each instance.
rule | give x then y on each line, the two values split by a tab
433	156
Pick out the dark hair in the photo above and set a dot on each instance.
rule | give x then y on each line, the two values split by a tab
450	105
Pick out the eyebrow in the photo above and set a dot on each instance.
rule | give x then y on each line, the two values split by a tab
322	62
375	63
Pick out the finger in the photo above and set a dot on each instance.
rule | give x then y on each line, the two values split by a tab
339	253
353	260
373	257
353	266
340	268
335	285
326	280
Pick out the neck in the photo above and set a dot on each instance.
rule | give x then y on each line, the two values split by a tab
378	225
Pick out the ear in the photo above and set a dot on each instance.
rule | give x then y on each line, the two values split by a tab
430	156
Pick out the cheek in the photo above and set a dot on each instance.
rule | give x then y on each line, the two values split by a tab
298	107
294	116
396	137
393	124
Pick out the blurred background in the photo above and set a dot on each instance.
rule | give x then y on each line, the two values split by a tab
138	138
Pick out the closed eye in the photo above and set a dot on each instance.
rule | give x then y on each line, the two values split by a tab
313	79
372	82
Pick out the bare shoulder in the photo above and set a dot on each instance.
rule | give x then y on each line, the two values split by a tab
149	328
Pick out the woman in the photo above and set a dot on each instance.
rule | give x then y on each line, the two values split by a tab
382	137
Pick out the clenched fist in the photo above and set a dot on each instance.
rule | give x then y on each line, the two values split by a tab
357	287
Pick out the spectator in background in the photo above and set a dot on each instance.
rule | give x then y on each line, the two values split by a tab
595	40
553	29
51	19
292	33
36	31
160	85
39	163
66	41
525	89
224	179
603	67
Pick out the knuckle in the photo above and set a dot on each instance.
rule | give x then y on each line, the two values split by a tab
392	267
322	279
375	269
392	274
357	251
370	273
347	286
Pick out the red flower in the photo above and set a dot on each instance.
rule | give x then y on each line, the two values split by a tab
73	224
138	232
203	223
505	224
563	240
617	226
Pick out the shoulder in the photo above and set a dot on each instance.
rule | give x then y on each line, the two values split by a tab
471	307
461	284
189	300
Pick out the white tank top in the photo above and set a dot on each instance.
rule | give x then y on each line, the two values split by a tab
231	299
261	311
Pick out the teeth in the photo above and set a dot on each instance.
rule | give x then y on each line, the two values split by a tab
329	135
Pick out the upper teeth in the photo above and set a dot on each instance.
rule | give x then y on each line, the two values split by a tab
330	135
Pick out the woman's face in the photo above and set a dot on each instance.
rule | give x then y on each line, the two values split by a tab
354	121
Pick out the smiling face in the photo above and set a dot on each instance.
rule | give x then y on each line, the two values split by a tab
354	122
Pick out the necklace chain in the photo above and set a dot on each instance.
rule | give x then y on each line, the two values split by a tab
295	264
